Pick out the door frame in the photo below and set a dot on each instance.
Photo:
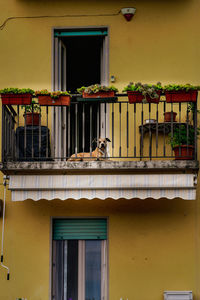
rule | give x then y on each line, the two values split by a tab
56	112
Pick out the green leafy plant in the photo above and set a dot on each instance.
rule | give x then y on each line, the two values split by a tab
181	87
150	90
53	95
182	135
32	108
42	93
56	95
16	91
96	88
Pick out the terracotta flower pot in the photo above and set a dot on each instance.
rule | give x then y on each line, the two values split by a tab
65	100
108	94
137	97
181	96
167	116
184	152
32	118
16	99
47	100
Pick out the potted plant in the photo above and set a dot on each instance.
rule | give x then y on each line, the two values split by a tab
181	93
32	113
53	98
97	91
15	96
146	93
182	141
170	116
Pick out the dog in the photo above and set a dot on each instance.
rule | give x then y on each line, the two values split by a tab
99	153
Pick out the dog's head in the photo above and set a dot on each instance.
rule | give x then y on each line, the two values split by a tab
102	144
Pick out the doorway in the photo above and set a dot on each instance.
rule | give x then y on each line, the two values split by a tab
80	59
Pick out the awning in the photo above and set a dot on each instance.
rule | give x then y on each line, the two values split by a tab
126	186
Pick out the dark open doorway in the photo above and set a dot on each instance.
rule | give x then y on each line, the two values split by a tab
83	61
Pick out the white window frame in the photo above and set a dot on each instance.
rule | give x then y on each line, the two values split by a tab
81	263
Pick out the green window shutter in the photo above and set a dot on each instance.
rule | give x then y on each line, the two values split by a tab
98	32
80	229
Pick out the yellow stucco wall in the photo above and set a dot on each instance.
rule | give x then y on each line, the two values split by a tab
153	245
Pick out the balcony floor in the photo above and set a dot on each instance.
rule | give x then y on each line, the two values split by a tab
108	166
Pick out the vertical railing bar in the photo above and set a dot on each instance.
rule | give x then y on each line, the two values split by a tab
9	135
156	129
62	134
47	133
142	133
134	129
113	129
127	128
68	130
17	115
98	129
40	135
179	133
3	134
17	140
120	130
150	133
54	131
32	148
164	133
6	137
13	140
187	124
90	130
195	128
83	128
105	116
76	129
172	130
25	135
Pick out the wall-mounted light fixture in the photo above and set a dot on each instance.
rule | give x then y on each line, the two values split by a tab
128	12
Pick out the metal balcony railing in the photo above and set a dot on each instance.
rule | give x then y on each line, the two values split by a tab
136	131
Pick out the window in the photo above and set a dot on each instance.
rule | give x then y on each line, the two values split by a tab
79	259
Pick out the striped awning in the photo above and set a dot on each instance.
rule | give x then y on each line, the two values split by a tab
126	186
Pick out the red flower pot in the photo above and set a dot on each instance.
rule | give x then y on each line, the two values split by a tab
16	99
109	94
167	116
32	118
44	99
181	96
184	152
65	100
47	100
137	97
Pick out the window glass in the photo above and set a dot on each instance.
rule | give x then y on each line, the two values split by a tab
93	270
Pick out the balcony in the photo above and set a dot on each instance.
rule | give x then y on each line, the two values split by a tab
140	137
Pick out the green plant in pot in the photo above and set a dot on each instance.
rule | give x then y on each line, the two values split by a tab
97	91
53	98
32	113
145	93
181	92
182	141
16	96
